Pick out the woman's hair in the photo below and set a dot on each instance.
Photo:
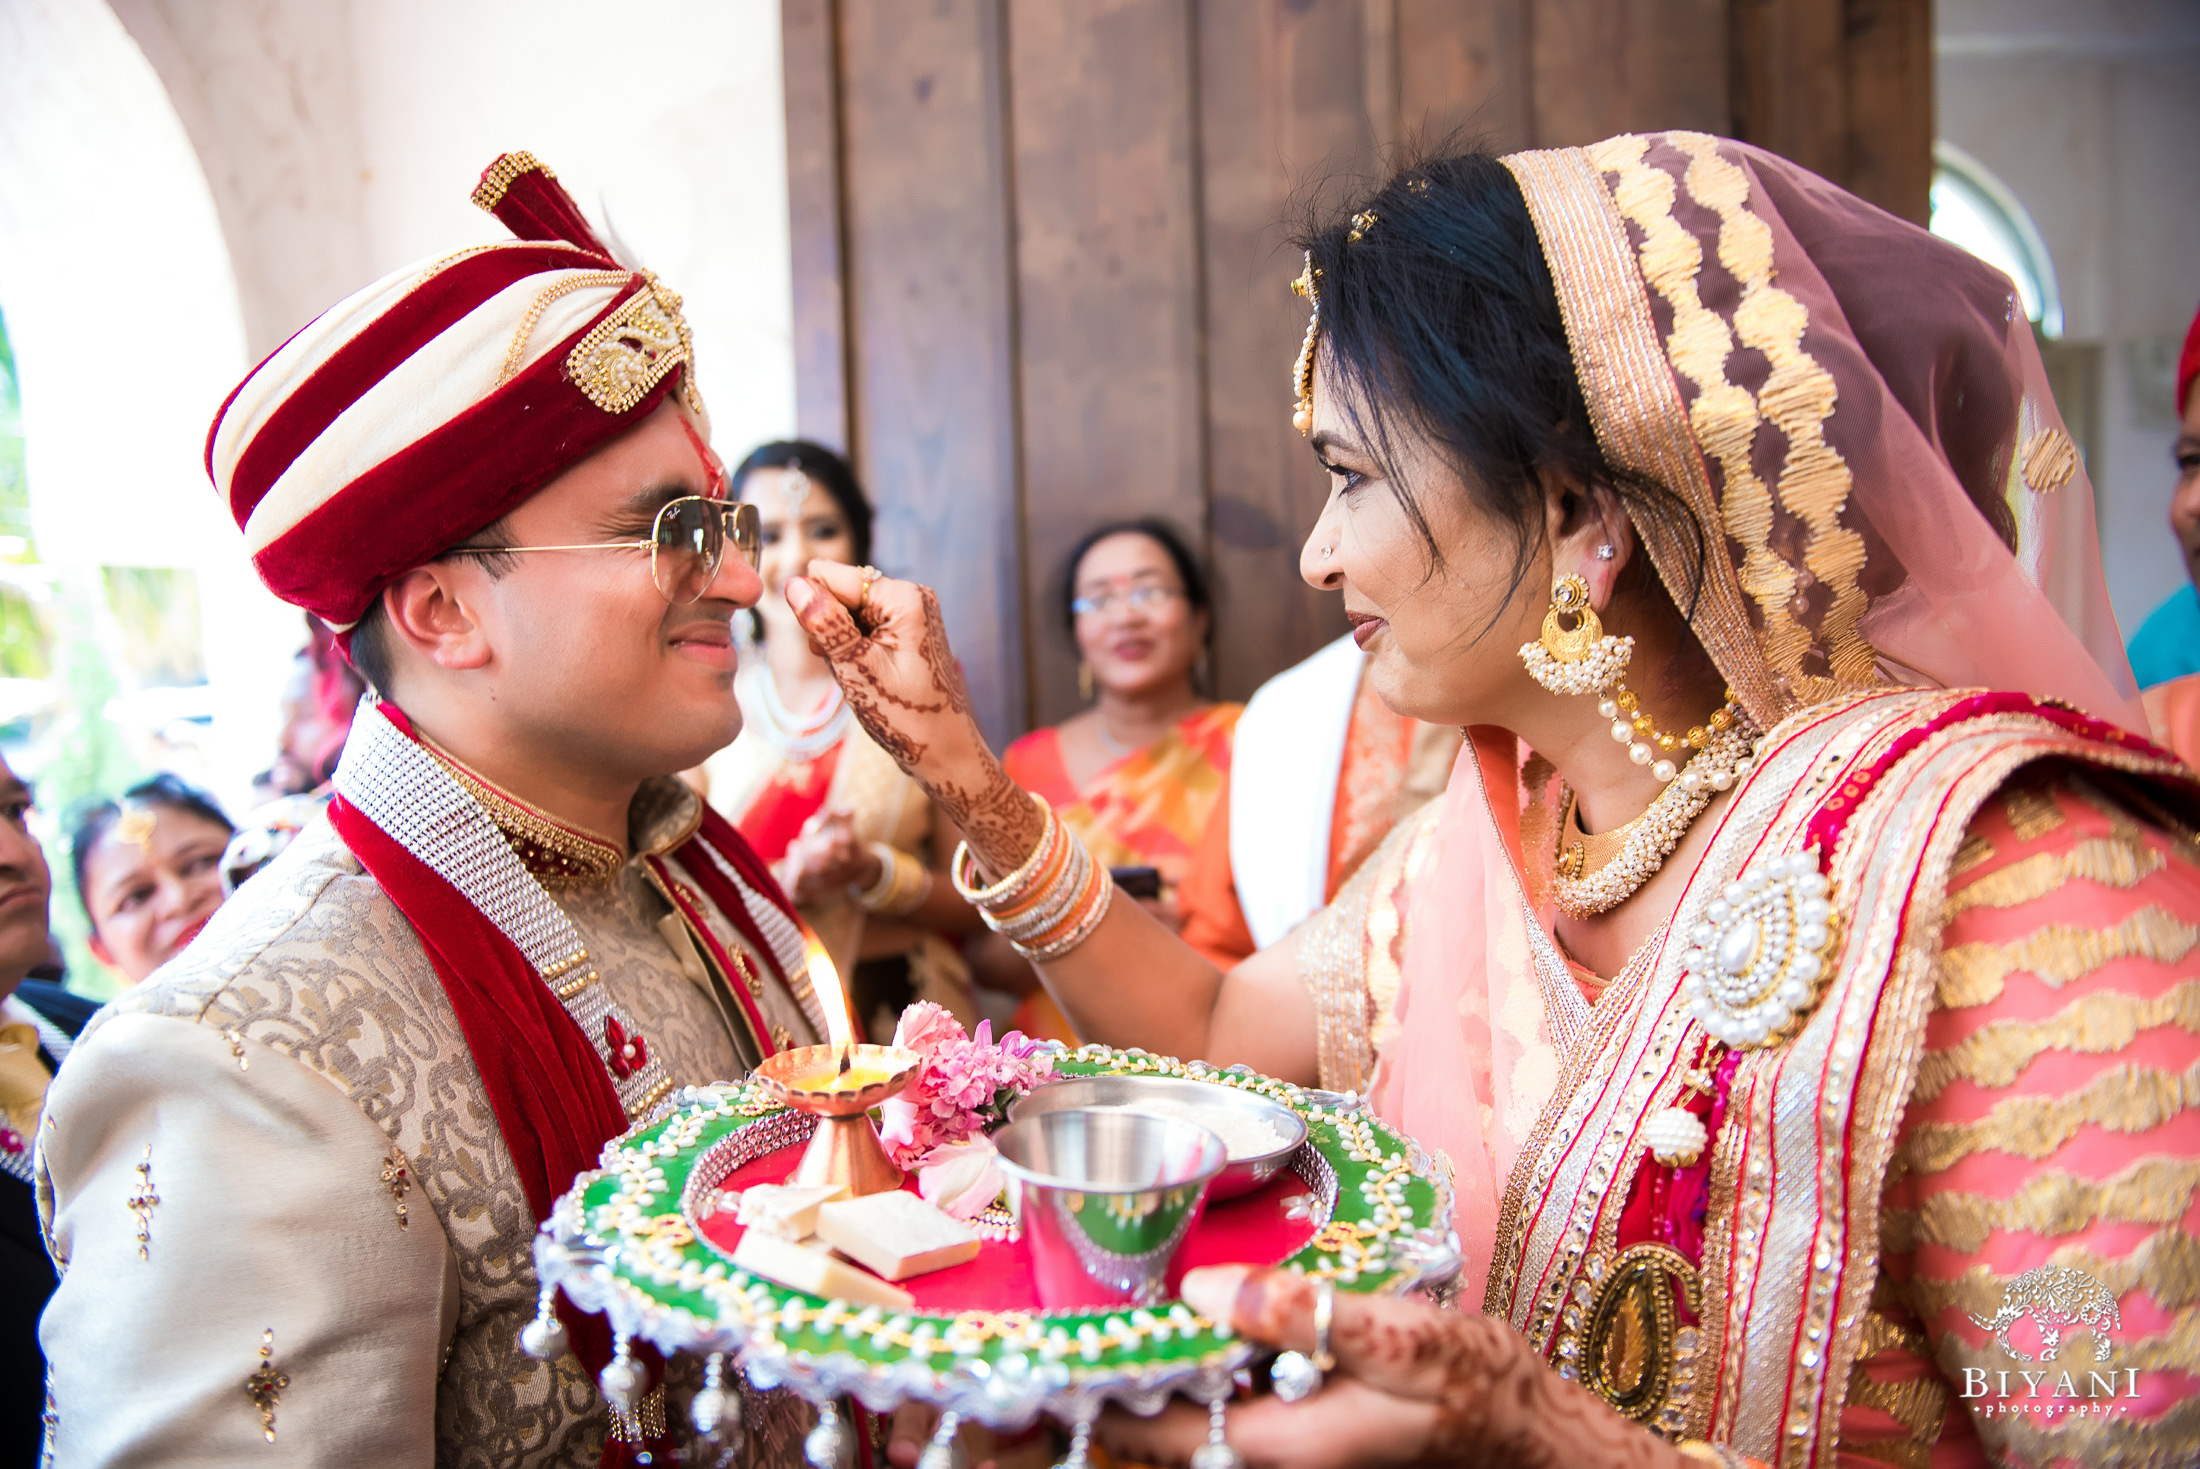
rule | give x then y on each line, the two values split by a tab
823	467
1188	569
162	792
1440	317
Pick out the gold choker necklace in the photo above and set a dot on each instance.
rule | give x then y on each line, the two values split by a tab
1595	874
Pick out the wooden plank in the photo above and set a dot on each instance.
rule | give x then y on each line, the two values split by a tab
808	50
1107	272
1614	66
1464	73
1790	82
930	279
1890	105
1283	107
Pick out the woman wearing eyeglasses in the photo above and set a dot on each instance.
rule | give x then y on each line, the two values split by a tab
853	841
1138	773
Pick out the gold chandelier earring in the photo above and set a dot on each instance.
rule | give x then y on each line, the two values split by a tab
1582	659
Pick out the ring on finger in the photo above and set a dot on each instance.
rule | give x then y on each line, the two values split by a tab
872	576
1297	1375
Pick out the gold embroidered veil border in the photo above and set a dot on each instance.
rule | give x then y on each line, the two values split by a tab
1635	405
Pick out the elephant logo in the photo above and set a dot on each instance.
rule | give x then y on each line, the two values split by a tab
2057	1299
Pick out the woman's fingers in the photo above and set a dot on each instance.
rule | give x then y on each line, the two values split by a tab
1347	1423
834	635
1408	1348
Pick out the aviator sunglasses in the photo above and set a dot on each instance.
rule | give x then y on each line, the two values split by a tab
685	545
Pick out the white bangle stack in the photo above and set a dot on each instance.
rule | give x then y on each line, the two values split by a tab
1050	904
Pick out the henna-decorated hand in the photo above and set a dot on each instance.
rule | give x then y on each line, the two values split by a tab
890	655
1414	1384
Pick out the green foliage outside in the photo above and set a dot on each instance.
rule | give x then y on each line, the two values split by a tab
58	627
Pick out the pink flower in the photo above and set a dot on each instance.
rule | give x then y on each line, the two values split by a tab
925	1028
964	1086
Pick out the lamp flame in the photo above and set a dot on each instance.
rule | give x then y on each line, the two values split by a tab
832	995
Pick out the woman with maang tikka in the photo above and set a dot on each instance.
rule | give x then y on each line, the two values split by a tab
1798	976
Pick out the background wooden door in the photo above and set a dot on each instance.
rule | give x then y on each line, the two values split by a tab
1040	267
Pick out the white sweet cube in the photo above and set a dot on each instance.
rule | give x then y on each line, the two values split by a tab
788	1210
896	1234
812	1268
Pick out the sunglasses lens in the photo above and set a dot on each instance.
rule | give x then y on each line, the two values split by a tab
689	540
748	533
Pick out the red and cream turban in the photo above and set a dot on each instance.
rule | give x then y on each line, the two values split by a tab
419	410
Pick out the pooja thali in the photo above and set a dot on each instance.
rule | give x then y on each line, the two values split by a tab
642	1241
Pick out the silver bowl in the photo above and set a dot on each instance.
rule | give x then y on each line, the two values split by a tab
1105	1200
1242	1176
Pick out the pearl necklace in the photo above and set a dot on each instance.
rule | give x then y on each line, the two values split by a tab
800	739
1644	843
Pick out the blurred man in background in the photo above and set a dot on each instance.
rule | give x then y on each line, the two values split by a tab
38	1020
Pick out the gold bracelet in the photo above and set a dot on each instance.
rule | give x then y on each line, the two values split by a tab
902	886
1007	886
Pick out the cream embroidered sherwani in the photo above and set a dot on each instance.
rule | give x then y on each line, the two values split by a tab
284	1132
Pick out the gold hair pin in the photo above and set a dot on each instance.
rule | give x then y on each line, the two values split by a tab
1361	224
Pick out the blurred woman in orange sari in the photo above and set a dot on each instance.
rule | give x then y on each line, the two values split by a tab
1137	774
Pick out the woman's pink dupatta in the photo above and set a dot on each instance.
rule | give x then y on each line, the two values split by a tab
1472	1058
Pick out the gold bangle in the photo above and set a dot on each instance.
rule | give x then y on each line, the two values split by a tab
902	884
994	895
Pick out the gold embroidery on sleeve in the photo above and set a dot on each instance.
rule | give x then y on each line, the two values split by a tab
1919	1406
2094	1024
1974	851
1973	974
2100	1440
2125	1099
2152	1191
2166	1265
2118	861
2032	812
2177	1348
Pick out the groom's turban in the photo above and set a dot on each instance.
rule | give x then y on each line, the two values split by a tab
422	408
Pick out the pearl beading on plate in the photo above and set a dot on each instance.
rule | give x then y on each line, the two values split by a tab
1758	960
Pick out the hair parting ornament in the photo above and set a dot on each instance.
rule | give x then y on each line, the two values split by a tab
1302	372
1309	285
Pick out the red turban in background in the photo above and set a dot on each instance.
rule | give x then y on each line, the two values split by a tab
2188	364
429	404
